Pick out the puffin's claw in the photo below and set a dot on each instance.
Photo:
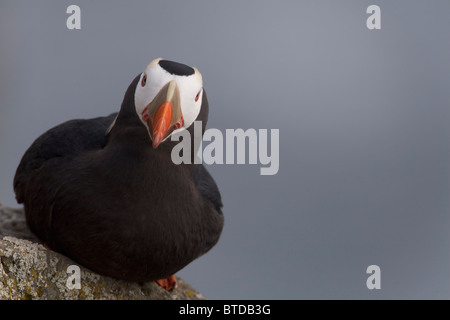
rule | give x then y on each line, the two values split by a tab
169	283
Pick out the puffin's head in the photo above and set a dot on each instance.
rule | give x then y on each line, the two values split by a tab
168	98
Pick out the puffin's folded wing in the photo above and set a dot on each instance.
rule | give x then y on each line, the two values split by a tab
65	140
207	186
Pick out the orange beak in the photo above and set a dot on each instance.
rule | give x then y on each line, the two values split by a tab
161	123
163	114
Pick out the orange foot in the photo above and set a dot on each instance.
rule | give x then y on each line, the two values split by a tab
168	283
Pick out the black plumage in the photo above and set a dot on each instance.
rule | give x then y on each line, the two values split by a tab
113	203
176	68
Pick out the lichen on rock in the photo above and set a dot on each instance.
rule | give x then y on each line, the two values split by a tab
28	270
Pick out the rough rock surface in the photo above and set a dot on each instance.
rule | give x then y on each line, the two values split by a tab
28	270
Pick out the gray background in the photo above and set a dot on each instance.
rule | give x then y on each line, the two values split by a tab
363	118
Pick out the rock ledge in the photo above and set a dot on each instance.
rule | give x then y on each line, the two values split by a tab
28	270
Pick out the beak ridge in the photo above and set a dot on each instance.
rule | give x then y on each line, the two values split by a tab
161	123
164	112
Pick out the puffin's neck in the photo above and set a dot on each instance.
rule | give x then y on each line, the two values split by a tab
129	140
128	133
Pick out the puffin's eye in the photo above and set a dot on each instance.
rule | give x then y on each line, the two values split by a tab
144	80
198	95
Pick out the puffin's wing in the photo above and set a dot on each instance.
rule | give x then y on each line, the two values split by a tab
207	186
65	140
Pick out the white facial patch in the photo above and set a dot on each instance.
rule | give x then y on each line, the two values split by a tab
156	78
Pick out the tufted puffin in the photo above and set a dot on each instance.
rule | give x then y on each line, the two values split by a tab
105	192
